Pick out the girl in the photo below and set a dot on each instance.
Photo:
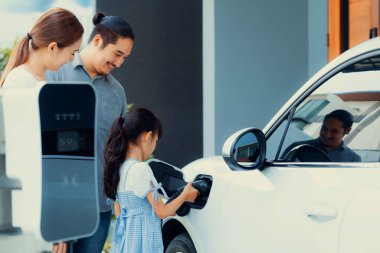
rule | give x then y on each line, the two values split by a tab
52	42
139	209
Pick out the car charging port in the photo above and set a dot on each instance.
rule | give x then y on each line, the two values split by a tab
203	184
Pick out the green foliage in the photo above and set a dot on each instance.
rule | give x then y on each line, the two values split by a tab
130	106
107	245
5	53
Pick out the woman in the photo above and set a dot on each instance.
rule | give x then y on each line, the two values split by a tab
52	42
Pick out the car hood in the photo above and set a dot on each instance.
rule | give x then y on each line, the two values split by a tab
214	165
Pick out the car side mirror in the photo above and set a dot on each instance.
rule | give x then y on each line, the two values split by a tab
245	149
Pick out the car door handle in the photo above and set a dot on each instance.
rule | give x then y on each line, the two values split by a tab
322	212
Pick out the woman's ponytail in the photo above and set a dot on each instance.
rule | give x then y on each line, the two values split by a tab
19	56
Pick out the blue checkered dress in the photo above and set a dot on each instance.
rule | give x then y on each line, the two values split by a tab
137	228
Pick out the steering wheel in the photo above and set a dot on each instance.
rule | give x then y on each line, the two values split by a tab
307	153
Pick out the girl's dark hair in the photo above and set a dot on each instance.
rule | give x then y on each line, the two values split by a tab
110	28
55	25
125	129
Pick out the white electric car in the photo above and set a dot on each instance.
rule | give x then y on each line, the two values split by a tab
257	199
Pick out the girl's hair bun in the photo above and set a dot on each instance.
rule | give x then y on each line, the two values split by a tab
98	18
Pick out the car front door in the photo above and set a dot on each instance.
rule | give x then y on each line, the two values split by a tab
284	209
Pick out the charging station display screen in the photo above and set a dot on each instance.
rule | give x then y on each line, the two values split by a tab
67	120
68	142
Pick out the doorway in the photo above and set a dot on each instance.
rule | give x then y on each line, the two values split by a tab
351	22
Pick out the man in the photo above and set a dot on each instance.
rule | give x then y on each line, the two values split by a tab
110	43
335	125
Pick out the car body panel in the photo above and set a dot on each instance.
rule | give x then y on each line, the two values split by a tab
277	202
361	226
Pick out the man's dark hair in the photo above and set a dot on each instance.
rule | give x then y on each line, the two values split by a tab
110	28
342	115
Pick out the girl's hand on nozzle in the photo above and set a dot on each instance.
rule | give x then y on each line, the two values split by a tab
190	193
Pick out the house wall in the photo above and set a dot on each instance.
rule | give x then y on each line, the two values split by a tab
263	52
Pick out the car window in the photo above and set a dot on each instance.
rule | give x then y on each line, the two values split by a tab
322	119
355	90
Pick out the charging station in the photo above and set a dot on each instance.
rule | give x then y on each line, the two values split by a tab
50	161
